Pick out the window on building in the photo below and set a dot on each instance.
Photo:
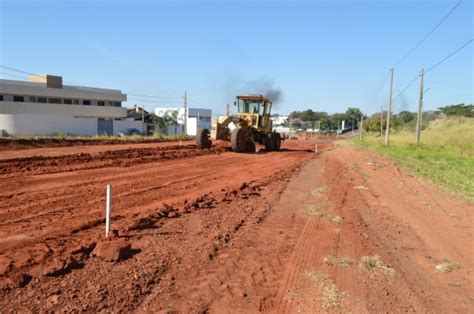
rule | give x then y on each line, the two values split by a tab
101	103
76	101
32	99
86	102
42	100
18	98
67	101
54	100
1	97
117	104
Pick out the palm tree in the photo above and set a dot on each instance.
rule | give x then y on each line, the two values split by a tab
171	118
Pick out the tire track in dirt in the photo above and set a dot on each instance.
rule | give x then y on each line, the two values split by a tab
34	215
222	244
355	240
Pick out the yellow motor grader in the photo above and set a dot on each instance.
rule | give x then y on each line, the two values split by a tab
251	126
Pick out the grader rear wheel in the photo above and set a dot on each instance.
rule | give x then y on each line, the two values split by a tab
203	140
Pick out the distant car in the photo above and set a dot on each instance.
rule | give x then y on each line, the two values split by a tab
130	131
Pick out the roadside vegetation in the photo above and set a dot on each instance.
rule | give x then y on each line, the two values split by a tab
446	152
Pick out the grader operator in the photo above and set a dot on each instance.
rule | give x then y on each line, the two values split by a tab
251	126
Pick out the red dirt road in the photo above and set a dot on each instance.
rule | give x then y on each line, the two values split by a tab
218	231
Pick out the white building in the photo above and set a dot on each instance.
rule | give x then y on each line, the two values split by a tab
279	120
197	119
45	106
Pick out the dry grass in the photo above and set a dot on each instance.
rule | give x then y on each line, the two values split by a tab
331	294
447	267
318	276
445	155
314	211
375	263
450	132
338	261
336	220
319	193
294	294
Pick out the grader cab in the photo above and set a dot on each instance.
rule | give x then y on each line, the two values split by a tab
250	127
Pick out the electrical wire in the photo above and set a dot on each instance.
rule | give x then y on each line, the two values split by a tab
78	85
407	87
449	55
12	75
195	102
434	66
428	34
20	71
158	97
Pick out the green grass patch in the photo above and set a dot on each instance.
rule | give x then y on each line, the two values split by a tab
445	155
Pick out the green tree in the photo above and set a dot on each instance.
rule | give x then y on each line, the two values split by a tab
353	115
373	124
171	119
157	121
458	110
406	116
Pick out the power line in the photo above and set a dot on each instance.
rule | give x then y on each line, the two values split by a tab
449	55
12	75
434	66
194	102
428	34
407	87
78	85
20	71
152	96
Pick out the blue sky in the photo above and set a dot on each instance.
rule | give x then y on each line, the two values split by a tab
322	55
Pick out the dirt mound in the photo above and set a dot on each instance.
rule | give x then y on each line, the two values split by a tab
16	144
114	158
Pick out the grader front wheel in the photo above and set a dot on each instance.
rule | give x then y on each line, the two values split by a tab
240	141
272	141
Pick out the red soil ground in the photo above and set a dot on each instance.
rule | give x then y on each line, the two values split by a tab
218	231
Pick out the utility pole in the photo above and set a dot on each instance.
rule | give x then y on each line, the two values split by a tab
420	108
228	110
361	127
185	113
381	121
143	122
389	110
